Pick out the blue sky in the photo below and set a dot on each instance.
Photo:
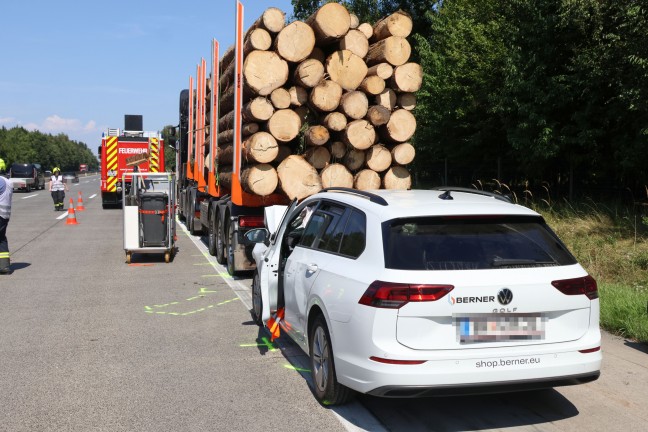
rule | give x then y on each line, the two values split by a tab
77	67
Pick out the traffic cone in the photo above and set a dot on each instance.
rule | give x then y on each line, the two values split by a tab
71	218
79	206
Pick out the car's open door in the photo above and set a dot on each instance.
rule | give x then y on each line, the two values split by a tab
269	271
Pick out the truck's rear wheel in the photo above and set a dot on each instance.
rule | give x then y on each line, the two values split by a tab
211	236
220	242
229	250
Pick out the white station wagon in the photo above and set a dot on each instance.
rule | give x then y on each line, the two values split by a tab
426	292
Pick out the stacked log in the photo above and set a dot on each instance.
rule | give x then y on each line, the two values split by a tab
327	102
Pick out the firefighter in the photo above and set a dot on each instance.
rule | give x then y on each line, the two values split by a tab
6	191
57	189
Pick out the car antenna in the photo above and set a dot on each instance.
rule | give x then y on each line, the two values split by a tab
446	195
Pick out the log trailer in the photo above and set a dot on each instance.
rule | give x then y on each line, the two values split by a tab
121	151
211	197
291	109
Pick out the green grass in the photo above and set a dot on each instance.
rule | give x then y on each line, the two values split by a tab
611	242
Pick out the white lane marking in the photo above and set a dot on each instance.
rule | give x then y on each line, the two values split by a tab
92	196
30	196
62	216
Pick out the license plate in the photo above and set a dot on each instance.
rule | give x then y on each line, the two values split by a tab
500	327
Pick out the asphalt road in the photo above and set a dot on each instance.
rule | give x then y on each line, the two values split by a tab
88	342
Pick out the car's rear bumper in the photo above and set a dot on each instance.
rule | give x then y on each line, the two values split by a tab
460	371
483	388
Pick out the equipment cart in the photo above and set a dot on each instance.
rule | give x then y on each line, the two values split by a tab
149	214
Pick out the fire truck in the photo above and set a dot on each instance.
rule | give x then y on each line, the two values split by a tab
127	150
207	206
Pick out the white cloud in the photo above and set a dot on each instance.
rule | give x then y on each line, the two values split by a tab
55	124
6	120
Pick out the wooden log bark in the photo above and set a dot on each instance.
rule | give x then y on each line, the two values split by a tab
280	98
407	78
383	70
284	125
403	154
406	101
387	99
378	158
373	85
354	104
283	153
295	42
400	127
335	121
330	23
326	96
298	96
338	149
359	134
354	159
319	157
394	50
378	115
397	177
397	24
297	178
346	69
356	42
366	180
264	71
336	175
309	73
316	135
227	136
260	147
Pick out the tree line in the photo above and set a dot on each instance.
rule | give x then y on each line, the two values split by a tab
22	146
527	91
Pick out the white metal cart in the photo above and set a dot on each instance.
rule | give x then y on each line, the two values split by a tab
149	214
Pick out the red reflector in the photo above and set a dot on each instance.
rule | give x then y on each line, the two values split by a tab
251	221
591	350
583	285
400	362
392	295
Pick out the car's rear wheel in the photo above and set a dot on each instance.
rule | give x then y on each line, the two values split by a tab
326	387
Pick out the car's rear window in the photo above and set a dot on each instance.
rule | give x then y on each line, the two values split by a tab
22	170
472	243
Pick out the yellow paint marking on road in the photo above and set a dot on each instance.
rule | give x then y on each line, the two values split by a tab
206	291
298	369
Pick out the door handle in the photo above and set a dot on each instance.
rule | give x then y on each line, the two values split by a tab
312	267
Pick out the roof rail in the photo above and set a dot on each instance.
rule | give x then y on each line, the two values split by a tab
448	189
370	196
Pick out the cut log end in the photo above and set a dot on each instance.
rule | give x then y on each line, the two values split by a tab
336	175
397	177
298	179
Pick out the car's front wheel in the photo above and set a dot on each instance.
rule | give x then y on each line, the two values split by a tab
326	387
257	300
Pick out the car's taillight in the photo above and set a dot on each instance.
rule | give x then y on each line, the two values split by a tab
590	350
392	295
251	221
396	362
582	285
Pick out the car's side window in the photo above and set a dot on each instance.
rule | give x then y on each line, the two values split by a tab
330	240
315	226
355	235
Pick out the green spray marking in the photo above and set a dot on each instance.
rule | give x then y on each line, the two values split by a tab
265	343
298	369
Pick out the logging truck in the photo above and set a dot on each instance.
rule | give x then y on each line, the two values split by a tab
288	110
123	150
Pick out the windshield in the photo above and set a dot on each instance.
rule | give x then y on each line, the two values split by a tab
21	170
471	243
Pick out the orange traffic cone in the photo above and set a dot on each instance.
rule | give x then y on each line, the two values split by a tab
79	206
71	218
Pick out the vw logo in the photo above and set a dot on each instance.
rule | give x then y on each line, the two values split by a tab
505	296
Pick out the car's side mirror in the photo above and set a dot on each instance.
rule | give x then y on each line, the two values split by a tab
256	235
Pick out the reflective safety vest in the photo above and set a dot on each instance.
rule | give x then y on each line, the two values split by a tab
57	183
6	191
